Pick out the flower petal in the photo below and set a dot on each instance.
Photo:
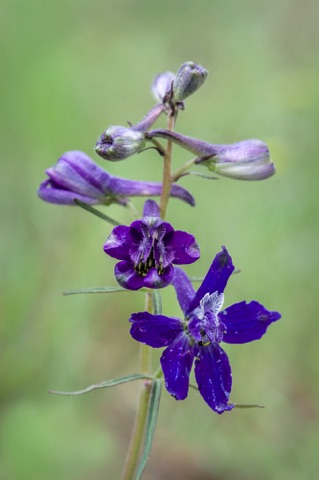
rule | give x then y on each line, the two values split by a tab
184	246
183	287
116	244
213	376
155	330
151	209
246	322
127	277
216	278
51	192
153	280
176	361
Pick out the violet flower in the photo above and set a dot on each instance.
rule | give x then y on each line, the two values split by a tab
147	249
198	336
245	160
76	177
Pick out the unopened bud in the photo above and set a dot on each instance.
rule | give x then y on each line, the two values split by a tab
246	160
189	78
117	143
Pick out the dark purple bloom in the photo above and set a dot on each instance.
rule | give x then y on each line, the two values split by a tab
76	177
198	335
147	249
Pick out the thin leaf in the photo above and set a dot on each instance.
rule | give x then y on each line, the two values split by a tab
112	289
150	425
243	405
97	213
157	302
105	384
198	174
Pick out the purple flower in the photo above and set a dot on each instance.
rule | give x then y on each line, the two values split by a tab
197	337
147	249
76	177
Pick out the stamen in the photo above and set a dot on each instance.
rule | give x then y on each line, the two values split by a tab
142	268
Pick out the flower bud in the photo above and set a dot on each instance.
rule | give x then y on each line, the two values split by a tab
189	78
76	177
245	160
162	85
117	143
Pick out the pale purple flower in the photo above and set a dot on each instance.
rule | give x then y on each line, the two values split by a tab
76	177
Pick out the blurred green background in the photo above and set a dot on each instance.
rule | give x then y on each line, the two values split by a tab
69	69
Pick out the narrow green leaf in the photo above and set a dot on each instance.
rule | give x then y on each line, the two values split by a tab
150	425
97	213
157	302
243	405
198	174
112	289
105	384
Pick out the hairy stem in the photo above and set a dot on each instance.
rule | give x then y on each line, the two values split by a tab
137	437
167	178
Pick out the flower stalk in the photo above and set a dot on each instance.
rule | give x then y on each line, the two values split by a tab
167	177
143	402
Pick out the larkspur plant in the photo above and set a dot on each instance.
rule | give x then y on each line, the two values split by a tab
150	252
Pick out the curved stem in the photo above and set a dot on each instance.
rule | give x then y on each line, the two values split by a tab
178	173
137	437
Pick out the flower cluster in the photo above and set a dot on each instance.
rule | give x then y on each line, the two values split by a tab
150	251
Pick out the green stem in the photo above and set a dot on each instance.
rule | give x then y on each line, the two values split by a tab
137	437
143	405
177	174
167	178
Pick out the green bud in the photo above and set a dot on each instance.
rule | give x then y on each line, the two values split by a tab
189	78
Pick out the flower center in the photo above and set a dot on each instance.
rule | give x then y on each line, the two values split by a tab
143	267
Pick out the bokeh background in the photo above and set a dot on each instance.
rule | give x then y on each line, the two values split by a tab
71	68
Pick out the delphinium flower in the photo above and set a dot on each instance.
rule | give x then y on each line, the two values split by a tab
76	177
197	337
147	249
244	160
